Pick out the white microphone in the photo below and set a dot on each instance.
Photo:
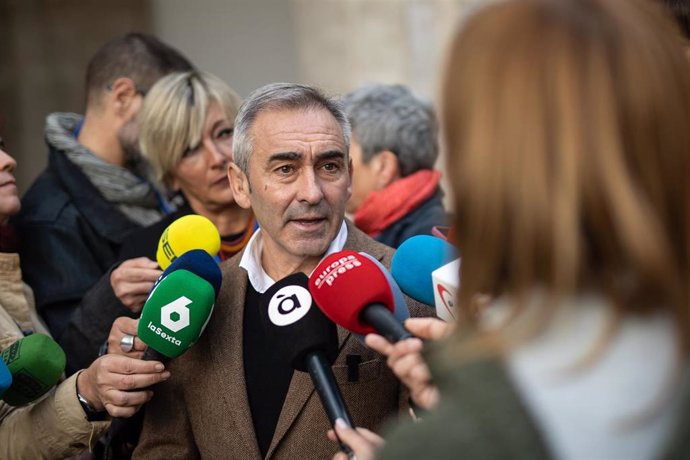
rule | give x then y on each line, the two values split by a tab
446	282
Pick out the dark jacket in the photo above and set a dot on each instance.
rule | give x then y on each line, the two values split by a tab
481	415
70	237
418	222
90	323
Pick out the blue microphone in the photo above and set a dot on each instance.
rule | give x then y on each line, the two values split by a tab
5	378
414	261
196	261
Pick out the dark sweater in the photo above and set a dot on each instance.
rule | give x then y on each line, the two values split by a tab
267	372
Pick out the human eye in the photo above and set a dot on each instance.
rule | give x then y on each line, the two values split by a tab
225	133
285	170
331	167
189	151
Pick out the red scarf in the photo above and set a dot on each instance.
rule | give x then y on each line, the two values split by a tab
384	207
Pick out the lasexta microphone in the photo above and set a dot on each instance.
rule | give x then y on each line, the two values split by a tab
36	363
176	312
355	293
184	234
415	260
290	317
5	378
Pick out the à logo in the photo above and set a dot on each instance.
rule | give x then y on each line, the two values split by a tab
289	305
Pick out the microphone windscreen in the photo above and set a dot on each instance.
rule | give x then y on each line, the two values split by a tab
290	317
36	363
414	261
5	377
345	283
176	313
400	310
201	264
184	234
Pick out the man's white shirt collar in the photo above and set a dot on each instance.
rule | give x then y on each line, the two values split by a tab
251	259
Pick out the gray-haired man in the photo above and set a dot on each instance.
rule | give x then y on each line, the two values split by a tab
235	395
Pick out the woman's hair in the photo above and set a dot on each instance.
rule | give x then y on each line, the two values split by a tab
173	114
567	125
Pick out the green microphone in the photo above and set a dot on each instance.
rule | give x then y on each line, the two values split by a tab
36	363
176	313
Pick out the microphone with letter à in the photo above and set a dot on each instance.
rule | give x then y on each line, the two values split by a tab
427	268
290	318
35	364
354	291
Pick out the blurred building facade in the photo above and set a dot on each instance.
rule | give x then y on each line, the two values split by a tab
337	45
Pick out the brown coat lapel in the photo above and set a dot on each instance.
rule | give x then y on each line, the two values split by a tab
227	356
301	386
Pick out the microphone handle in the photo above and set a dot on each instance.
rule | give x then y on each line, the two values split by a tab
329	392
381	318
152	355
118	423
327	388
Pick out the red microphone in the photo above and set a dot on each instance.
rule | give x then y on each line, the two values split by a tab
355	293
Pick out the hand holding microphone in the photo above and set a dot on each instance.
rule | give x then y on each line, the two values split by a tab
345	285
118	384
405	358
172	319
132	281
364	443
123	339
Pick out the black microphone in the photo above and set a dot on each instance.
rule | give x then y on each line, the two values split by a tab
291	317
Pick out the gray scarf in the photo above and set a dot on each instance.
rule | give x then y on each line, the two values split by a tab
133	195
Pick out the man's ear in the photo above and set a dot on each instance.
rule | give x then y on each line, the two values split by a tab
123	97
386	167
239	182
350	171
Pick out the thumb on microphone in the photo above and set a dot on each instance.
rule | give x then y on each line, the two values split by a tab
405	358
363	443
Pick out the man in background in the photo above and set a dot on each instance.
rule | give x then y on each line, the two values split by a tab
395	190
94	190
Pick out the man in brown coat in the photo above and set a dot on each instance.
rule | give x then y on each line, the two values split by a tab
234	394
